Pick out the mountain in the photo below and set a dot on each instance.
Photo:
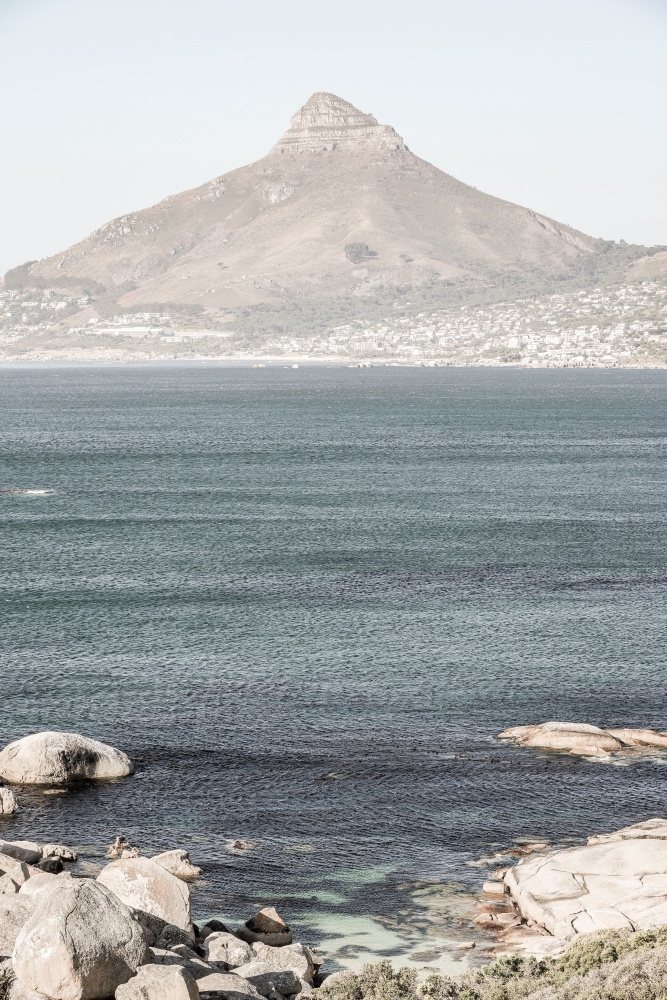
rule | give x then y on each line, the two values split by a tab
339	207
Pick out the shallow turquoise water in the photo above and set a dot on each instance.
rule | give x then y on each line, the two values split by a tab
306	601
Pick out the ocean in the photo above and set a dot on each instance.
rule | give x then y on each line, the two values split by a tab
306	601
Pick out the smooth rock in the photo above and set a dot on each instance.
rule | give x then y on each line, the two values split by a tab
80	943
295	956
159	982
576	737
59	851
58	758
8	802
227	986
179	864
226	947
148	888
21	850
266	927
269	981
15	911
619	883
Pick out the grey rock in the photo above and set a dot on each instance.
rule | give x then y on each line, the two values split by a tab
159	982
171	935
53	866
226	947
150	889
58	758
80	943
178	863
15	910
21	850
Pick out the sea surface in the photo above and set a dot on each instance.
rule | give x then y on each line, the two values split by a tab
306	601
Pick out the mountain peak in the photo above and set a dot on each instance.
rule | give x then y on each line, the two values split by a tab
327	122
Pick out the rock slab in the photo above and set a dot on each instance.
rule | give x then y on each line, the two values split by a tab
616	883
584	740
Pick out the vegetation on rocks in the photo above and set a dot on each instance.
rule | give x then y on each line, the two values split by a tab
611	965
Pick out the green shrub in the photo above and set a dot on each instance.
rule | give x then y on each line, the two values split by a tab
610	965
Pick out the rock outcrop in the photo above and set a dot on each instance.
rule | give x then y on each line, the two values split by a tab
582	739
617	880
80	943
58	758
326	123
151	891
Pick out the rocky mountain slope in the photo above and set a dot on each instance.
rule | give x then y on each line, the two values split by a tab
339	207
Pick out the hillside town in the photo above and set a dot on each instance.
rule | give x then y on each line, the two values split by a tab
623	325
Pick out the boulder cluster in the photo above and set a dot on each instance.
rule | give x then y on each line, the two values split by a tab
129	934
584	740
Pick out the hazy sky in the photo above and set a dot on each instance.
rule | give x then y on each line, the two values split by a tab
109	105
